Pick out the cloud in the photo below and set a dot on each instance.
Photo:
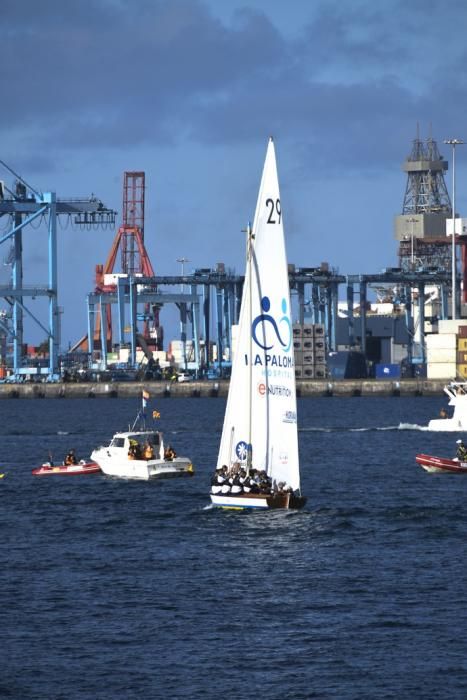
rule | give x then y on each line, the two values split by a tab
108	74
189	91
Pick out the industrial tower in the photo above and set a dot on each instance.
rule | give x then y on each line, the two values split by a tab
134	258
135	262
421	229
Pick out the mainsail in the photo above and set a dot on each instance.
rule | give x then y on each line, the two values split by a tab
260	424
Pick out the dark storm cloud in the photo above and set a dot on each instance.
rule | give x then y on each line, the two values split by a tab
116	73
119	73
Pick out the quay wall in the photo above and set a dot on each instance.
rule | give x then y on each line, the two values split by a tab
196	389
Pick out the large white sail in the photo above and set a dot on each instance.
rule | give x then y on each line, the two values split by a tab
261	406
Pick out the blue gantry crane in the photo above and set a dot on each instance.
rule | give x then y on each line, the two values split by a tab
19	207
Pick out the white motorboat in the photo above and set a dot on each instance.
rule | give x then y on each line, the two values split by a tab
114	459
457	393
141	454
260	425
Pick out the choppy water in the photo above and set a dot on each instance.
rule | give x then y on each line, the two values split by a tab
117	589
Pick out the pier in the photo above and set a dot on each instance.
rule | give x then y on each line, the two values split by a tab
218	389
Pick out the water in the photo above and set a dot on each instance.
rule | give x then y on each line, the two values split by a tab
118	589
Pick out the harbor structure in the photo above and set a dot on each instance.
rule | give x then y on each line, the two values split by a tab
21	207
125	306
421	227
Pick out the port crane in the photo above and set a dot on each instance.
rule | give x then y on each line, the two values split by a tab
134	262
20	206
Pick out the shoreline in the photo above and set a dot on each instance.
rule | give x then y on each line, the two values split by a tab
214	389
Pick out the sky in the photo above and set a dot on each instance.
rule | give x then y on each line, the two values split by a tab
189	92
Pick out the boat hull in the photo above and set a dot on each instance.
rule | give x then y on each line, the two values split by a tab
441	464
141	468
67	470
457	393
257	501
447	425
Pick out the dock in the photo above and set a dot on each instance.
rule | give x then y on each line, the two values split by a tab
218	389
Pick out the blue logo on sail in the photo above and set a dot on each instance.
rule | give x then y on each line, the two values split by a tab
282	329
241	450
274	335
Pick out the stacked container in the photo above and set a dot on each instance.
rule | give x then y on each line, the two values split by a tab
297	334
309	343
441	351
462	352
176	351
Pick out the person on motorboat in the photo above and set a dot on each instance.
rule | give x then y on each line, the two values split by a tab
148	450
170	453
443	413
50	463
461	451
70	458
134	451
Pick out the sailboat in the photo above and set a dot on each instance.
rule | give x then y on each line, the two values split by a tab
259	437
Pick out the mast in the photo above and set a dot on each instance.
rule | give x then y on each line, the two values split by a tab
250	348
